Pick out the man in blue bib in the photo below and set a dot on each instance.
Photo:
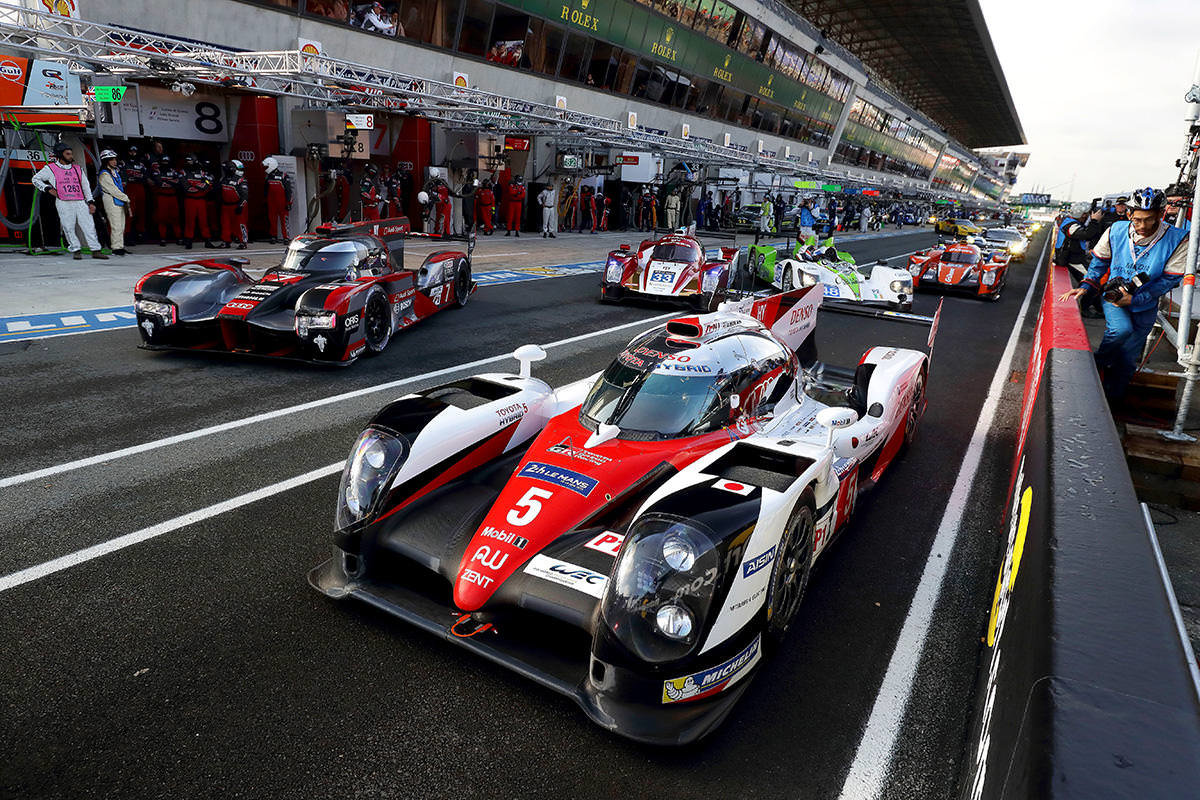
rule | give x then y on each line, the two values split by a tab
1135	262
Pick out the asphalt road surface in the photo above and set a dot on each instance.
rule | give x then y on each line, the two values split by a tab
184	654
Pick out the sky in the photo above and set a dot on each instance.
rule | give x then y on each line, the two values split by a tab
1099	89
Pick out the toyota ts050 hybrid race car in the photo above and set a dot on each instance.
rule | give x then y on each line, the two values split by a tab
339	293
673	268
809	263
959	266
636	540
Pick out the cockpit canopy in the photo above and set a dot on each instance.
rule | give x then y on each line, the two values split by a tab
961	255
658	389
319	255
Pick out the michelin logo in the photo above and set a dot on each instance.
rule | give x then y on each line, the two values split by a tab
580	484
717	679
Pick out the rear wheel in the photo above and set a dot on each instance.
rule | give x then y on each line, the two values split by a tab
377	321
462	283
793	562
916	410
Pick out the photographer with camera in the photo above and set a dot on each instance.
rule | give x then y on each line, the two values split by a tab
1135	263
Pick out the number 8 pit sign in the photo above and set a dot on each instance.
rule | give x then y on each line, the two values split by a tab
170	115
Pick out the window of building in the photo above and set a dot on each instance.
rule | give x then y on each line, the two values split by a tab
575	55
476	27
687	12
446	28
337	10
626	73
507	45
601	69
543	46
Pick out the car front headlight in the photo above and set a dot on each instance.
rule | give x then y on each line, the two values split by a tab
663	585
315	320
989	276
375	458
1019	247
808	278
615	270
901	286
712	278
164	311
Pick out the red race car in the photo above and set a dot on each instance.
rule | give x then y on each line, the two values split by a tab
673	269
960	266
339	293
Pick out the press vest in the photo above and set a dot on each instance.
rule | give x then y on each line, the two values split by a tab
67	181
116	176
1150	260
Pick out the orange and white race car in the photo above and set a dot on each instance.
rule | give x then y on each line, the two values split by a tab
960	266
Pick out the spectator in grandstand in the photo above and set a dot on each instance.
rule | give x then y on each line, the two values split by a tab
1143	259
375	19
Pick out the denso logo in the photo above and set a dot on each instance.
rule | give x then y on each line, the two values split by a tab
800	314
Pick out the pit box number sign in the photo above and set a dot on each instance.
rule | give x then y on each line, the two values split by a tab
360	122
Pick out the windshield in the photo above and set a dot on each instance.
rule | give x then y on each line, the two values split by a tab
675	252
964	222
1005	236
664	403
960	257
325	255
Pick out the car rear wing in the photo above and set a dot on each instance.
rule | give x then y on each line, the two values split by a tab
469	238
892	316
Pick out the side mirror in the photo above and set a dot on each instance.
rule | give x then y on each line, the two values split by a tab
836	418
735	401
881	262
525	355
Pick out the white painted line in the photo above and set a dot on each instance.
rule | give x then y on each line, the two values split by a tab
873	759
54	565
102	458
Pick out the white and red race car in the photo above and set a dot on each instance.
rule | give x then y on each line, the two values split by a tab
673	269
637	539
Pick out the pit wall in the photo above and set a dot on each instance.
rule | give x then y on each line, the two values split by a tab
1086	690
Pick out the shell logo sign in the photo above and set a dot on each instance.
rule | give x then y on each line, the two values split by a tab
64	8
460	80
310	49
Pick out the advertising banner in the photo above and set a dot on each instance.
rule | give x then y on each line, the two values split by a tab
39	83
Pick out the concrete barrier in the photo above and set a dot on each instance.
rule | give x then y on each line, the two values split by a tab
1086	689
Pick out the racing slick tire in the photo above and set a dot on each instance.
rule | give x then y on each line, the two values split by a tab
708	303
789	578
607	295
785	280
915	412
377	321
462	283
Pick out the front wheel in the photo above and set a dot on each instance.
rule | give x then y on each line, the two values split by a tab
377	321
462	283
785	280
793	564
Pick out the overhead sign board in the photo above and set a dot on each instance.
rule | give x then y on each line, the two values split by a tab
517	144
108	94
38	83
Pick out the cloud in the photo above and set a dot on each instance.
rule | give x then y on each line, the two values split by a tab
1099	89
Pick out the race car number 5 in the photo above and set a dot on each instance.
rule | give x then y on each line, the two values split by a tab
525	510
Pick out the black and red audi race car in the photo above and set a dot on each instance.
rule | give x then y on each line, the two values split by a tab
962	267
672	269
639	539
339	293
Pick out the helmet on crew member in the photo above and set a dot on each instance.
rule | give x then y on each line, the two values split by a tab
270	164
423	198
190	160
238	166
370	168
105	155
61	147
1147	199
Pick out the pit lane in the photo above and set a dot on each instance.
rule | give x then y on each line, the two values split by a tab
200	658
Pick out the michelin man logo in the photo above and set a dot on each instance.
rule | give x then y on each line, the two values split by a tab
681	691
148	327
715	679
320	342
